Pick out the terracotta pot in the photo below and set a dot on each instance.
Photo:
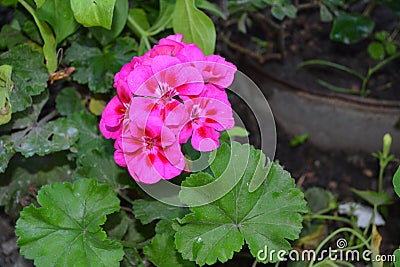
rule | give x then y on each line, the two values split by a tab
332	120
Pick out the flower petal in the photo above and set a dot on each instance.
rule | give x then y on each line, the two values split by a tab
205	139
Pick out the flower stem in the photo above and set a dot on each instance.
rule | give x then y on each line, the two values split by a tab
328	217
50	45
329	237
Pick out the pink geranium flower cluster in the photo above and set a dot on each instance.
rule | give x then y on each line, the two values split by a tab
164	98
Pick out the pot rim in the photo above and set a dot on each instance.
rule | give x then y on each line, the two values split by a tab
331	95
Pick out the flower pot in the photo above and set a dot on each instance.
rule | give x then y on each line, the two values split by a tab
332	120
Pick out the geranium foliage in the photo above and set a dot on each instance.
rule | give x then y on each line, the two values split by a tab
99	99
65	230
268	216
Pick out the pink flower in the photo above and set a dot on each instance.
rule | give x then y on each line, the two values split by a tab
174	47
207	114
119	156
217	70
164	98
121	77
151	151
114	113
179	80
167	46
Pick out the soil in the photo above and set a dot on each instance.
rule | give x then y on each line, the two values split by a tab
305	38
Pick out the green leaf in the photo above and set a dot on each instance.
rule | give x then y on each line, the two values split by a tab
374	198
195	25
211	7
376	50
133	258
30	29
96	105
100	164
68	101
120	16
89	135
149	210
50	137
139	17
161	250
65	230
97	68
299	140
268	216
325	14
396	254
58	14
6	152
122	226
8	3
390	48
39	3
49	47
278	12
351	28
381	36
28	117
24	183
164	18
29	75
94	12
290	11
11	35
242	23
5	88
238	131
396	182
319	200
117	225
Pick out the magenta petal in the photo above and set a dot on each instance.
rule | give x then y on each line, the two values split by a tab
205	139
119	158
149	88
174	155
142	170
141	109
113	112
217	115
190	53
165	168
138	77
176	37
217	71
185	133
131	144
168	137
190	83
111	118
212	91
161	63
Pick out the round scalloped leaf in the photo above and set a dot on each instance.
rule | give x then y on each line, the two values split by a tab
65	230
396	182
269	216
